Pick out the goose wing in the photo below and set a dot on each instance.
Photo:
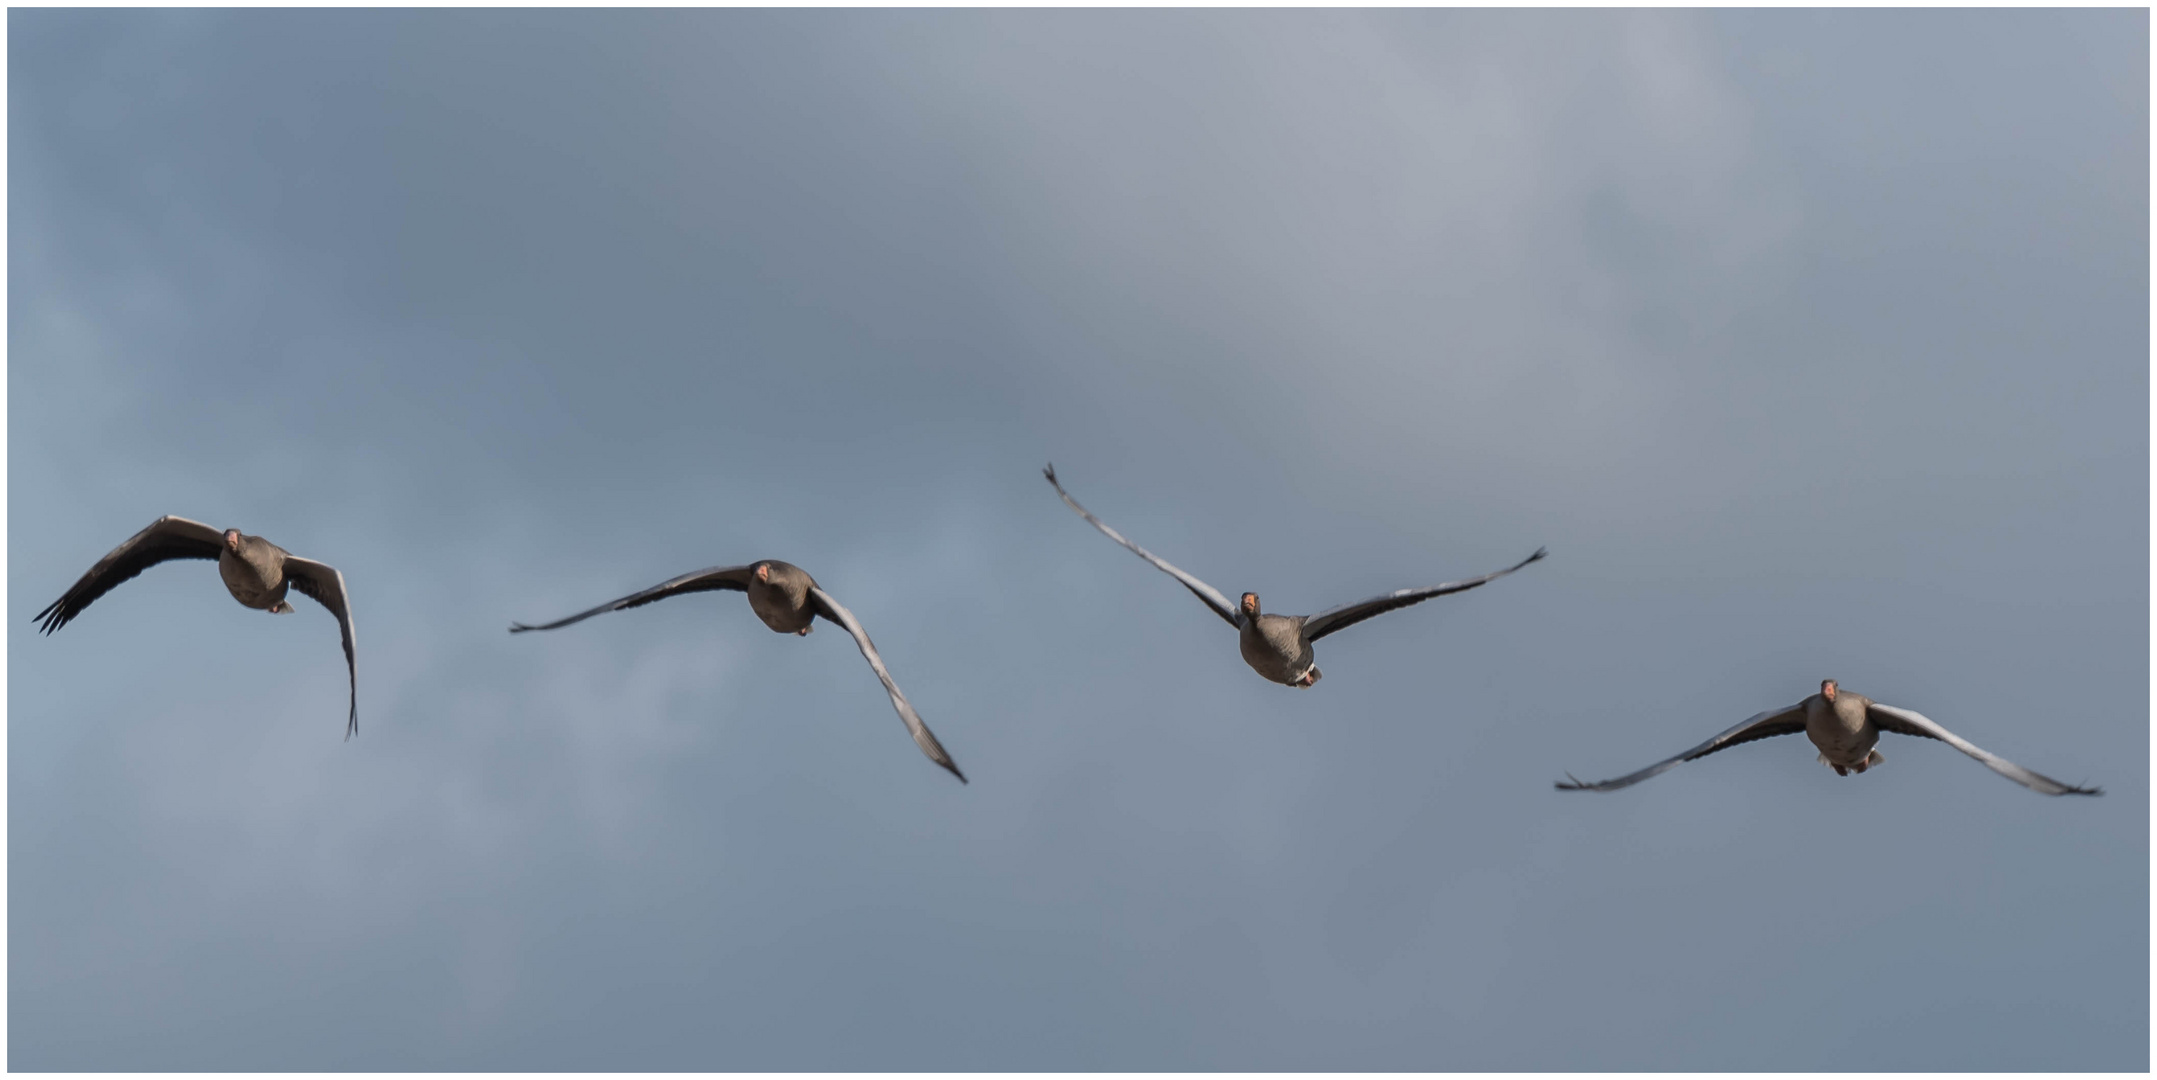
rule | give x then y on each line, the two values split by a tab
326	586
1200	589
735	578
1905	722
1787	721
1347	615
166	538
832	610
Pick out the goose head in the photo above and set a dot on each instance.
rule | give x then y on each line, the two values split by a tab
762	573
1827	690
1250	605
232	541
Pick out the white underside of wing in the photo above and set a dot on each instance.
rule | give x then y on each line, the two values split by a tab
2035	781
915	726
1721	739
1207	593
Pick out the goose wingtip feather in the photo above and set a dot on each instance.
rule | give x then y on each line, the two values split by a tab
53	617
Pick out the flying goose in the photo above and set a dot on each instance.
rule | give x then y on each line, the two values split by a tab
1278	647
256	572
787	599
1844	726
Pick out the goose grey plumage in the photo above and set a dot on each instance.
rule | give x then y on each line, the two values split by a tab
787	599
1845	727
1278	647
256	572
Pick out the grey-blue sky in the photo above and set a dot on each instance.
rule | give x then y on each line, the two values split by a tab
1813	344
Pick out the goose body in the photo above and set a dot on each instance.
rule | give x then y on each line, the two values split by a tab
787	600
253	570
781	597
256	572
1278	647
1275	647
1845	728
1842	729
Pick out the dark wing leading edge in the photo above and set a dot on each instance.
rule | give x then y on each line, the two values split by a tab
326	586
923	737
717	577
1326	622
1905	722
1200	589
166	538
1787	721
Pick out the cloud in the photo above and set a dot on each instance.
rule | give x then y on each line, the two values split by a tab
505	314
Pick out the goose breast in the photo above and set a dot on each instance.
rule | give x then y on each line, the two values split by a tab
1840	728
1274	647
782	602
255	575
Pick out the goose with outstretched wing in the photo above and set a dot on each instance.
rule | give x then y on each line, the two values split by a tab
1845	727
256	572
787	599
1278	647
